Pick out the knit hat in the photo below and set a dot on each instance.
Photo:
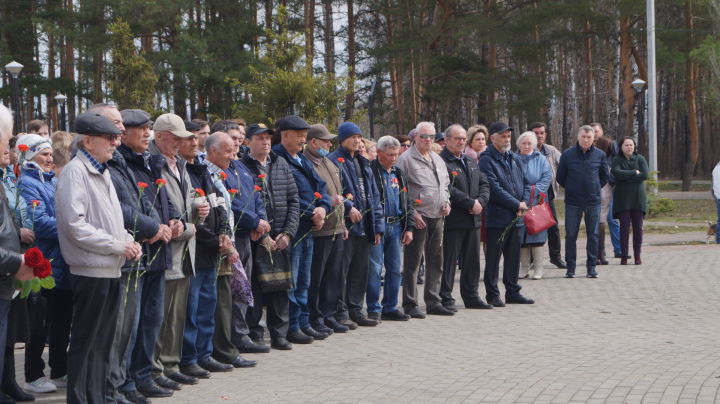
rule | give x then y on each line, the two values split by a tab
35	144
347	129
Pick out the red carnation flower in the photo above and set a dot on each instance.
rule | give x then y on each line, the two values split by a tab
23	148
142	185
44	270
35	203
34	257
232	191
417	201
199	192
317	195
404	189
349	196
222	175
454	173
257	188
160	182
340	160
262	176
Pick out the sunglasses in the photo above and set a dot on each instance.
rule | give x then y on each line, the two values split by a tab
405	145
427	136
111	138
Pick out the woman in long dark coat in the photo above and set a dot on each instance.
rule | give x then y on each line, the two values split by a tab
630	170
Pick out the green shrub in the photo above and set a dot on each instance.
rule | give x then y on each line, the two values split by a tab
660	206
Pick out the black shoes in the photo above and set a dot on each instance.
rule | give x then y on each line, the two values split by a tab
477	304
415	313
135	397
166	383
558	262
152	390
363	321
314	333
248	346
241	362
335	326
195	370
211	365
281	344
495	301
349	324
395	315
619	255
375	316
299	337
182	379
450	306
440	311
320	327
518	299
5	399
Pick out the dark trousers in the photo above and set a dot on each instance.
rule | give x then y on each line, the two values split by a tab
509	249
4	310
634	218
146	330
325	277
240	328
223	348
37	314
96	302
460	247
200	318
122	341
427	242
355	263
554	235
278	315
573	215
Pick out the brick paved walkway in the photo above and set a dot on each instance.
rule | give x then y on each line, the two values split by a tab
637	334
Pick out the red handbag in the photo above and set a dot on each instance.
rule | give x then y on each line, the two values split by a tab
539	217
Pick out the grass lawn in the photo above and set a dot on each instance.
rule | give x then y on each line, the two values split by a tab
664	186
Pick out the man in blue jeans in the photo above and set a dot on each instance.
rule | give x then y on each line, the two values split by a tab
399	222
582	172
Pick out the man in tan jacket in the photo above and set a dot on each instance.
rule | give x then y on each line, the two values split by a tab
428	183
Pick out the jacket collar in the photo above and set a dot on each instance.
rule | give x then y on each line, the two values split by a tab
32	170
492	152
580	150
446	154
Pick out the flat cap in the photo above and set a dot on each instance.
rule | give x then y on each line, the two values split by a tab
439	137
93	124
173	124
319	131
192	126
499	127
258	128
292	122
135	117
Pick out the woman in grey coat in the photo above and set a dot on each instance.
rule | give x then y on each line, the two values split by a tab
539	175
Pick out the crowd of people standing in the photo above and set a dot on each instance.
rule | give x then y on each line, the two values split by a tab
170	241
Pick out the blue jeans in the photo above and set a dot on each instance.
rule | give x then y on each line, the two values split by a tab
151	288
300	261
200	319
573	215
717	226
614	229
389	253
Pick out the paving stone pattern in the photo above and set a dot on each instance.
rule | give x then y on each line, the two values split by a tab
637	334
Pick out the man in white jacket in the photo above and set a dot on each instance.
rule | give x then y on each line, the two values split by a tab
716	195
94	244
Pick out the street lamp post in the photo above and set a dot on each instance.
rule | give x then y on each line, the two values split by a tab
60	99
14	68
652	92
639	86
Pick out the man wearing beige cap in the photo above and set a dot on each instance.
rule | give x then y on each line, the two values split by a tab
326	279
169	129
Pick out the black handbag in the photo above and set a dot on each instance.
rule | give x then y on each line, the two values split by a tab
271	269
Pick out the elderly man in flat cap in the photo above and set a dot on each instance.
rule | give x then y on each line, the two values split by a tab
94	244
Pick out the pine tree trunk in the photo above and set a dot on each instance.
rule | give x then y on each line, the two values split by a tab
309	34
329	37
350	98
627	94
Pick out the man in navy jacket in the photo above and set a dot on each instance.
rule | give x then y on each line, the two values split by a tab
509	192
365	221
582	172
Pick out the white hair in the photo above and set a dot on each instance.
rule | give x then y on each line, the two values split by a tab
213	141
425	125
6	121
530	135
387	142
585	129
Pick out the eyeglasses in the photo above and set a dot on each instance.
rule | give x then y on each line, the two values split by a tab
111	138
405	145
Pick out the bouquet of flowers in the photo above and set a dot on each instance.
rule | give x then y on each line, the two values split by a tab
42	270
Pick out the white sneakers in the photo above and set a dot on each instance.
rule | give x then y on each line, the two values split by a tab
41	385
60	382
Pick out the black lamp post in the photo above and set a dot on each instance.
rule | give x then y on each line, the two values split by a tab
60	99
14	68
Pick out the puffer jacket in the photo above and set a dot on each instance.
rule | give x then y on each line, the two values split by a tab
308	182
37	185
467	186
208	231
508	186
279	193
127	169
373	219
406	205
537	172
583	174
